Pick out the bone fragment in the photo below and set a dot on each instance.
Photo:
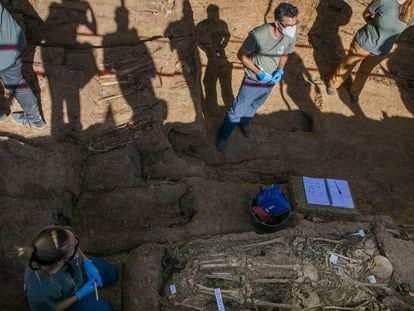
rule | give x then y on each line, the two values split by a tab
250	246
280	281
228	294
343	257
247	263
185	305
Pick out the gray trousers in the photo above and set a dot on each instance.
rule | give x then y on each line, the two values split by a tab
13	80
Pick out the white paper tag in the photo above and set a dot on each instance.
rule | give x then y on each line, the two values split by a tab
333	259
223	274
219	299
173	289
360	233
372	279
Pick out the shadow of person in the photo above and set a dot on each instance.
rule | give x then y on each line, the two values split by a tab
69	70
328	50
402	68
181	34
299	88
133	66
269	7
213	36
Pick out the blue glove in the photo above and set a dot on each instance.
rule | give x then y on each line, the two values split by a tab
87	289
92	273
277	75
264	76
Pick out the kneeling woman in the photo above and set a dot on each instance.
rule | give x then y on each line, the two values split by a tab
59	276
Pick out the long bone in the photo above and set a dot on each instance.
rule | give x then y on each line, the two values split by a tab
271	281
228	294
245	263
264	243
344	257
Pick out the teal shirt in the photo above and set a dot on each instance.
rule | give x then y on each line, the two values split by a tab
44	291
12	41
380	33
266	50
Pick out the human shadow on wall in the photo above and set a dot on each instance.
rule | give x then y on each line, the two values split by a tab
402	68
213	36
328	50
133	67
68	70
181	34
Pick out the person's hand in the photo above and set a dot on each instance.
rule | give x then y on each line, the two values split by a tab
277	75
92	273
264	76
87	289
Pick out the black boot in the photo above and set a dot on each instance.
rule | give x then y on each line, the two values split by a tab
224	133
245	127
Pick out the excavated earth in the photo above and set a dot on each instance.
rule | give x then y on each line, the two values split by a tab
133	93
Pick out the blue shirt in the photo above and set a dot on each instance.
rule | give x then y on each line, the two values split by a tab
12	41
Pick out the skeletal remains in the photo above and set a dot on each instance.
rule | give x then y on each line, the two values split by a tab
308	281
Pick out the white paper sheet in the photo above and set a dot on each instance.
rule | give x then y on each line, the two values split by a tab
339	193
315	190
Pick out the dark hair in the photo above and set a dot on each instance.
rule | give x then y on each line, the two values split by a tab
285	9
48	247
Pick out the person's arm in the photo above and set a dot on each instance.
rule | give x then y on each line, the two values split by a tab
86	289
244	55
283	60
226	38
66	303
367	15
92	273
370	10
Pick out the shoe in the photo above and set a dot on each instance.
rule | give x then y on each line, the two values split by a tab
221	145
3	116
354	100
244	125
246	131
330	91
20	118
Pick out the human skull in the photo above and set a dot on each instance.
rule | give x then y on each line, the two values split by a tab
380	266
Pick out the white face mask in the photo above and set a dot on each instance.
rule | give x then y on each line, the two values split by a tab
289	31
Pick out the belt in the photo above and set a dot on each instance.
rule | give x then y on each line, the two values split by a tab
251	82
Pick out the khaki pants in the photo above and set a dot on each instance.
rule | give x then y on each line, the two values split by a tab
355	55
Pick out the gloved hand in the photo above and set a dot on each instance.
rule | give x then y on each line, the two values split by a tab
87	289
277	75
264	76
92	273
